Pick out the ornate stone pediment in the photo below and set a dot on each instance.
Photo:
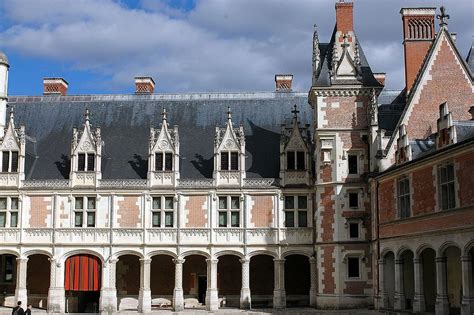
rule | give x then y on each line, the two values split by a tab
164	139
229	138
14	138
86	140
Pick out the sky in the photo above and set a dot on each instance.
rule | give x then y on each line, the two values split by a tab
99	46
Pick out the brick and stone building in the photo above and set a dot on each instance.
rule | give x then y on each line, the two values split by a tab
350	195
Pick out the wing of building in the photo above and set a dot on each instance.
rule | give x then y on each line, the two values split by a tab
348	196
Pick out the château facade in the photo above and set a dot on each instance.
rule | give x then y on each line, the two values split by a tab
350	195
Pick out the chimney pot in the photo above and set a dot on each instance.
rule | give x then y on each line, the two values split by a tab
55	86
471	111
344	17
283	82
144	85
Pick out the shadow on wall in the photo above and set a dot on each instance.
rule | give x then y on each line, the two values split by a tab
264	148
204	166
64	165
139	165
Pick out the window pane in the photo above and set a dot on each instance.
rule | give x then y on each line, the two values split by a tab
168	161
451	196
444	197
289	219
90	219
169	202
234	161
5	157
302	218
222	202
81	162
353	169
353	200
90	202
14	161
78	219
289	202
79	203
156	219
224	161
158	161
353	267
13	219
14	204
300	160
450	172
90	162
169	219
443	176
290	160
3	203
235	219
302	202
222	219
3	219
234	203
353	230
156	203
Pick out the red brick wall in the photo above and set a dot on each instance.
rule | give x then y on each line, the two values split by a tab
327	216
358	286
261	211
328	265
344	17
195	211
424	191
40	210
415	52
129	212
387	211
347	114
465	178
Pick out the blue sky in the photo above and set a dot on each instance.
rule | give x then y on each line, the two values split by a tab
98	46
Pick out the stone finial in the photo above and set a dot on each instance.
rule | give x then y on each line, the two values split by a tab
443	17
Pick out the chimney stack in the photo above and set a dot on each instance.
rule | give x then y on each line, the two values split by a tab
144	85
283	82
344	17
55	86
418	34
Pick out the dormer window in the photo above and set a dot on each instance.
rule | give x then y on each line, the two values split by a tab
163	161
295	160
229	161
10	161
86	162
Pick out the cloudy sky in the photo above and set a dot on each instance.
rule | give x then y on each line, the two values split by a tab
195	45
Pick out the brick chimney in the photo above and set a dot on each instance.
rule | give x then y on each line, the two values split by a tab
283	82
144	85
55	86
344	17
418	34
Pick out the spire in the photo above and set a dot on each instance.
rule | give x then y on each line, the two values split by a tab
229	114
87	116
12	114
163	114
443	18
295	112
316	53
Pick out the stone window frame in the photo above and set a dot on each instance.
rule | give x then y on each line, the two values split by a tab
86	161
296	210
230	154
405	195
359	229
360	255
355	190
296	165
229	211
9	212
85	211
452	181
359	153
162	211
163	161
10	161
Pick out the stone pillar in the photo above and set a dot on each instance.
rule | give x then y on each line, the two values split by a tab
467	304
56	293
212	299
245	297
178	298
442	302
399	303
20	290
313	290
144	295
383	291
419	299
108	293
279	294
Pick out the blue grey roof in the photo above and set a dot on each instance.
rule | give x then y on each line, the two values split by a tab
125	122
470	58
391	105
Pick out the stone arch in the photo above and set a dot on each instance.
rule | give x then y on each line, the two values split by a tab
261	275
38	252
402	250
229	277
300	252
442	249
71	253
263	252
10	252
421	248
127	252
297	278
385	251
38	283
229	252
195	252
468	247
162	252
8	261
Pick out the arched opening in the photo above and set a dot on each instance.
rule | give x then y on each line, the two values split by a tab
389	278
194	281
453	278
127	282
162	281
261	280
82	283
408	278
229	280
429	278
37	283
297	280
7	280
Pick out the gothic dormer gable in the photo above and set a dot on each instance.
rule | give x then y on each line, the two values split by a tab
12	151
230	138
294	137
164	139
14	138
346	66
86	140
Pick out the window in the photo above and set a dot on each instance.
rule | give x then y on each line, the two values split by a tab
229	211
446	186
353	164
8	268
295	160
353	230
354	200
404	197
162	211
10	161
229	161
353	269
86	162
84	211
296	211
163	161
9	212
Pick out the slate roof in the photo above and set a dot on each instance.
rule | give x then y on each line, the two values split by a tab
470	58
391	105
125	122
